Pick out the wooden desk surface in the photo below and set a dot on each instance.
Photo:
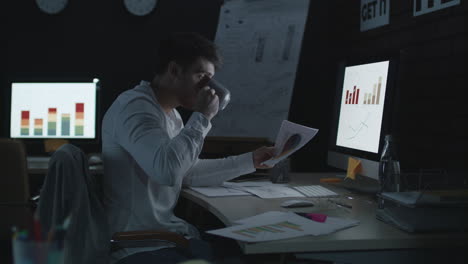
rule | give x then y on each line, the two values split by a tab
371	234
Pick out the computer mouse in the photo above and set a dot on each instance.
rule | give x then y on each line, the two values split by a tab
297	203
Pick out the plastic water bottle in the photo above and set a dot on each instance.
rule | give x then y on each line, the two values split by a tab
389	167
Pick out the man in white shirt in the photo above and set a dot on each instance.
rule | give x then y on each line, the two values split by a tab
149	154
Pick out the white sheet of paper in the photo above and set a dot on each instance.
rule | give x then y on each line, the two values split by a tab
273	191
280	227
276	225
250	184
333	224
264	189
260	218
219	191
290	138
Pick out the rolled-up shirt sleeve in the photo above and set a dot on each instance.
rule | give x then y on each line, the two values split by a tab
142	132
212	172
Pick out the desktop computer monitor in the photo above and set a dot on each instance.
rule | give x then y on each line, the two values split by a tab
362	113
53	110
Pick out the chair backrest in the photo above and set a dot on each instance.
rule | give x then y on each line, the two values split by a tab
14	187
70	190
14	193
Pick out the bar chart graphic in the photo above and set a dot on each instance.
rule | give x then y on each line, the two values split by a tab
352	97
272	228
373	97
53	110
38	125
66	124
79	119
362	104
24	123
52	122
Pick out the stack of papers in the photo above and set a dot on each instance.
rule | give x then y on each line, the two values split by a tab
263	190
219	191
281	225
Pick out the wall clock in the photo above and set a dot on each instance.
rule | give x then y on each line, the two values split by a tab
140	7
51	7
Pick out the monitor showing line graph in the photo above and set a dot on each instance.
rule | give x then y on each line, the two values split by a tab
53	110
362	106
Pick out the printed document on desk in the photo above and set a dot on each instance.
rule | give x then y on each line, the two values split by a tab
240	185
281	225
229	189
332	224
273	191
290	138
265	190
219	191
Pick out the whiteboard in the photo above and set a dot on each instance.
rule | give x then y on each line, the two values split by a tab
260	42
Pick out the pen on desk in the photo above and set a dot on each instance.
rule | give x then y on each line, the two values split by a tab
343	205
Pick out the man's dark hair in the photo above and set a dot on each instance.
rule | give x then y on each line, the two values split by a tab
185	48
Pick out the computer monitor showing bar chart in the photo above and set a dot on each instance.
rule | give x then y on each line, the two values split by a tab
53	110
362	112
362	105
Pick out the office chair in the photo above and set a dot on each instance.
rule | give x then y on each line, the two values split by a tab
14	168
15	205
70	190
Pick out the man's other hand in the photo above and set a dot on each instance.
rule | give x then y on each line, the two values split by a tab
261	155
207	102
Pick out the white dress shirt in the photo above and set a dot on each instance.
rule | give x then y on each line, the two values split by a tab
148	154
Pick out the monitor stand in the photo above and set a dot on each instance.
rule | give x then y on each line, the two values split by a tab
362	184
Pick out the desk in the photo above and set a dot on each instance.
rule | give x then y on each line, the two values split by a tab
40	165
371	234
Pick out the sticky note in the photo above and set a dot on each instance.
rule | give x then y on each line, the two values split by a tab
354	167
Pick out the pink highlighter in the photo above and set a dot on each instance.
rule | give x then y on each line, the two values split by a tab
315	217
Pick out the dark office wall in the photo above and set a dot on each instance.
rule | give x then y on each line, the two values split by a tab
431	115
92	39
314	87
100	38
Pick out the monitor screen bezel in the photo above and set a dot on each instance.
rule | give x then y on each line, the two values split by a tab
389	105
42	79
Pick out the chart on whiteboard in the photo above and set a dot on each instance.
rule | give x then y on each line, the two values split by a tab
260	44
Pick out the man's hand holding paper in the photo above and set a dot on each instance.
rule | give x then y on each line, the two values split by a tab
261	155
290	138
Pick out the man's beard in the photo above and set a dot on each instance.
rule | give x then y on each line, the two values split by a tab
188	103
